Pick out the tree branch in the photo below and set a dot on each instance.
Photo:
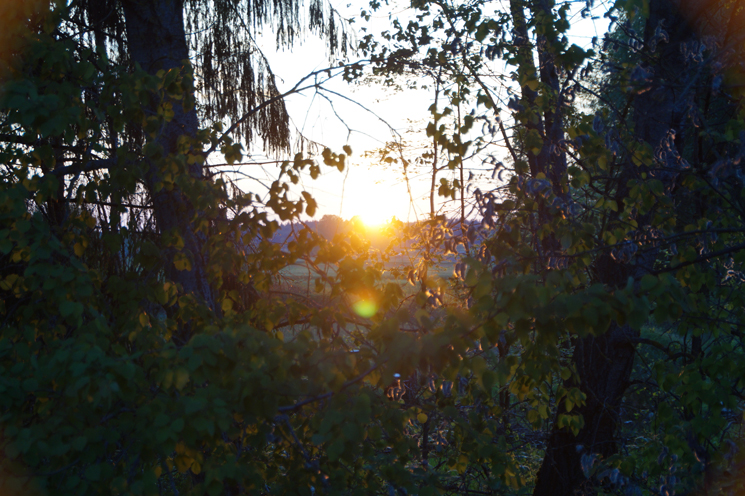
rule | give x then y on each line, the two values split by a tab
300	404
295	89
702	258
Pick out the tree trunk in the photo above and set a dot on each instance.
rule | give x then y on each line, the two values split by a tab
156	40
603	364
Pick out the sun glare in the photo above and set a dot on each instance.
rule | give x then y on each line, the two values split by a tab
365	308
375	219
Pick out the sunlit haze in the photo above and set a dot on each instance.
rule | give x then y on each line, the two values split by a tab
371	190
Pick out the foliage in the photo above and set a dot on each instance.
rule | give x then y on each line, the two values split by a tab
595	234
138	356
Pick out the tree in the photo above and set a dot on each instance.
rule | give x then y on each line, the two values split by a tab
121	252
592	211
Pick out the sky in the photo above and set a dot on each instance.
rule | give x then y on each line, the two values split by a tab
367	188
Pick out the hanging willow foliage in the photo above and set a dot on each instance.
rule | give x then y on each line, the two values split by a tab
234	81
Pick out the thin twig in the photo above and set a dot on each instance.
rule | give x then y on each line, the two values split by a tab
300	404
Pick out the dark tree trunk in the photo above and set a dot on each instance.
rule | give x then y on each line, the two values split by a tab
603	364
156	40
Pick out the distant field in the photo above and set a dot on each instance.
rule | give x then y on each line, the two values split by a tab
301	279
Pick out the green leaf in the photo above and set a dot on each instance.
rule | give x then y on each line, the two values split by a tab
488	380
648	282
534	142
70	309
335	450
177	425
79	443
161	420
93	472
352	431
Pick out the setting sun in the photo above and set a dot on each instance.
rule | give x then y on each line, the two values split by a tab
375	218
373	201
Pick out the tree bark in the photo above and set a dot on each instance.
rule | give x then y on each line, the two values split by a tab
156	40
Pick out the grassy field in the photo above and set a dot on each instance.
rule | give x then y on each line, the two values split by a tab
301	279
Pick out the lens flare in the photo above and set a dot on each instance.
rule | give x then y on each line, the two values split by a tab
365	308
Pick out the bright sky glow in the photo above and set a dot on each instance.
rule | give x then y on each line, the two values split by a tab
375	192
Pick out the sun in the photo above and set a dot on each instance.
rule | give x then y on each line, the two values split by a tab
372	218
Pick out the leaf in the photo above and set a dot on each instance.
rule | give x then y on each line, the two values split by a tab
144	320
161	420
182	378
93	472
534	142
177	425
566	373
488	380
335	450
5	246
9	282
422	418
181	262
70	308
310	204
79	443
648	282
183	463
352	431
566	241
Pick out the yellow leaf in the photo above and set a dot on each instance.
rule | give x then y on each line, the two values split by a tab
144	320
422	418
158	470
8	282
167	380
182	377
227	305
79	249
181	262
196	467
183	463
